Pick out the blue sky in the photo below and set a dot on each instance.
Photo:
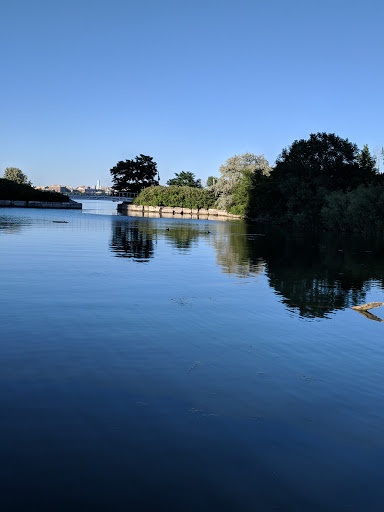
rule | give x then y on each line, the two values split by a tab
85	84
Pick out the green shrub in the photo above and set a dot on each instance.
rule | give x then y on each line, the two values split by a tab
173	196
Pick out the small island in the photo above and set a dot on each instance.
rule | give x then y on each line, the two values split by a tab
323	183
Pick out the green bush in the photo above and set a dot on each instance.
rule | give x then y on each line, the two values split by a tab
173	196
19	192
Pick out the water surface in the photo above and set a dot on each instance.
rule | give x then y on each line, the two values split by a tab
187	365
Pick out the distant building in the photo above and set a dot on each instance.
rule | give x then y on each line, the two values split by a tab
58	188
84	189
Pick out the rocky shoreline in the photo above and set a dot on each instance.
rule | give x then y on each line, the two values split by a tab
176	212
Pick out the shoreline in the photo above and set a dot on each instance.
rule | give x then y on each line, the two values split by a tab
70	205
176	212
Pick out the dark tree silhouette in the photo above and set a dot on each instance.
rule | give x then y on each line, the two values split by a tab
310	169
134	175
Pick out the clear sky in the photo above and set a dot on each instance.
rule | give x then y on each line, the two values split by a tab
84	84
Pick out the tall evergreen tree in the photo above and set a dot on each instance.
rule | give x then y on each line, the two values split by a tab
366	160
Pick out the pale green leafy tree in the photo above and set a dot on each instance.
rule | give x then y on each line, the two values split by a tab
378	155
16	175
232	173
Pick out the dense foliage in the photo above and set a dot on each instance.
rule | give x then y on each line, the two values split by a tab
234	186
16	175
185	179
358	210
211	180
322	183
185	197
20	192
134	175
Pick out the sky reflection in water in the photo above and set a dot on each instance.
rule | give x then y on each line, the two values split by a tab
147	363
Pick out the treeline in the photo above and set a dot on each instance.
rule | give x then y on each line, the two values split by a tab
323	182
15	186
10	190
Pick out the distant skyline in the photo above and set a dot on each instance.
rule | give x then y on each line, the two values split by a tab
86	84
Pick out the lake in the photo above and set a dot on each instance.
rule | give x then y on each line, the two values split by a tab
187	365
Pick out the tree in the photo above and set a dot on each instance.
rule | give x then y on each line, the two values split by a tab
134	175
233	172
16	175
326	160
378	155
211	180
185	179
365	159
309	170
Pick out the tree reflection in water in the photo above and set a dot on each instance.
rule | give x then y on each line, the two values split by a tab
130	240
313	273
232	243
184	237
13	225
324	272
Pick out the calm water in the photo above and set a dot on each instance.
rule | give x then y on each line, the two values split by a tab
151	364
